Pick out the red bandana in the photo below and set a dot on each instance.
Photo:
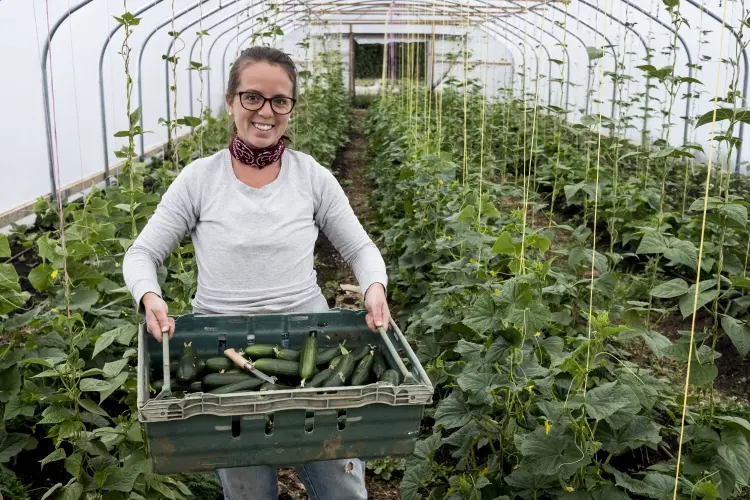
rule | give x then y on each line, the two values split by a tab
256	157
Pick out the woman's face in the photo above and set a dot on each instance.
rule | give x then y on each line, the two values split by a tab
261	127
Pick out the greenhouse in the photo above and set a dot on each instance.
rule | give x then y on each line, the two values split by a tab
385	249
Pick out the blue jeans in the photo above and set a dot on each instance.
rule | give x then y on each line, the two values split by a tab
326	480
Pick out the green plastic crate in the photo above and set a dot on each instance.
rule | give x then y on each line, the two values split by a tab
201	432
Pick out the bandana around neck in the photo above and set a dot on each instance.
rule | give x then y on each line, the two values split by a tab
256	157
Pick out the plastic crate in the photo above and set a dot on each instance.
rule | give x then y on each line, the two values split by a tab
200	432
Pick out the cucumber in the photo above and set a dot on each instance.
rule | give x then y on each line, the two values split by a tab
157	385
378	367
308	354
187	369
218	364
320	377
275	387
173	366
214	380
342	372
278	367
260	351
362	371
286	354
248	384
196	386
325	356
390	377
362	352
335	361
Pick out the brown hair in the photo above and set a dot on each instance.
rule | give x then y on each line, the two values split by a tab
256	54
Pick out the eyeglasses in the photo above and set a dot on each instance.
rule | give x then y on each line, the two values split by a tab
252	101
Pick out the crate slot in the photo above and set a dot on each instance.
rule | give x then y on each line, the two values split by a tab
309	421
235	426
222	344
341	419
269	424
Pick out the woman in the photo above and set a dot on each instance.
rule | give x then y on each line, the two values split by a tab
254	211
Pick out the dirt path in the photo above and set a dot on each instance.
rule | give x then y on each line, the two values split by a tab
332	272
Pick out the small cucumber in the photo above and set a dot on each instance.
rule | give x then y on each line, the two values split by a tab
342	371
275	387
214	380
335	361
320	377
286	354
279	367
362	352
325	356
243	385
196	386
260	351
390	377
187	370
218	364
378	367
175	385
362	371
308	354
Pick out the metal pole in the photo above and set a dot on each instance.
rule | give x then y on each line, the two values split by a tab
351	62
45	96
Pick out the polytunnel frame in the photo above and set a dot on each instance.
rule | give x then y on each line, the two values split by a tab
74	9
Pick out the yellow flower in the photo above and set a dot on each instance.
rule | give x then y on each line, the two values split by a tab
54	309
441	182
537	334
448	238
473	261
54	274
569	489
497	290
547	426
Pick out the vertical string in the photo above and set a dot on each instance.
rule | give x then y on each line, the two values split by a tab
700	260
57	186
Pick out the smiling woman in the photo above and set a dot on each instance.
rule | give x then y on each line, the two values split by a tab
254	211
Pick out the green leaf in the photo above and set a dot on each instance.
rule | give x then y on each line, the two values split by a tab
135	117
483	315
89	405
4	247
106	339
16	406
594	53
73	464
550	454
113	368
652	242
104	387
58	454
11	444
739	332
682	252
639	431
721	115
10	383
51	491
55	415
468	213
41	277
454	411
670	289
737	423
734	450
478	385
72	492
572	189
9	278
415	479
687	300
605	400
83	298
703	374
504	245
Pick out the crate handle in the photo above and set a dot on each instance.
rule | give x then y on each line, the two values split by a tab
410	354
166	390
401	366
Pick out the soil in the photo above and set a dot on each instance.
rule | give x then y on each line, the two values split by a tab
734	372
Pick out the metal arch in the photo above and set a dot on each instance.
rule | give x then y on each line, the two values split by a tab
171	43
523	52
195	42
211	48
512	59
45	92
595	30
715	17
101	88
690	62
549	62
140	59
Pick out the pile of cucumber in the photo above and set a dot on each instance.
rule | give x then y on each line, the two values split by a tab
307	367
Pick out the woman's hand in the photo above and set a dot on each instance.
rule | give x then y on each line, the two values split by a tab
157	320
378	313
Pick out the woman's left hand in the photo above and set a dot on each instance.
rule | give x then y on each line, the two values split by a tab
378	313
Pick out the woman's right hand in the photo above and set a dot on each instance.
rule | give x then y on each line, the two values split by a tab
157	320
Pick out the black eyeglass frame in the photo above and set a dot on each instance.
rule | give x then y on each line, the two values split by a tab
294	101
